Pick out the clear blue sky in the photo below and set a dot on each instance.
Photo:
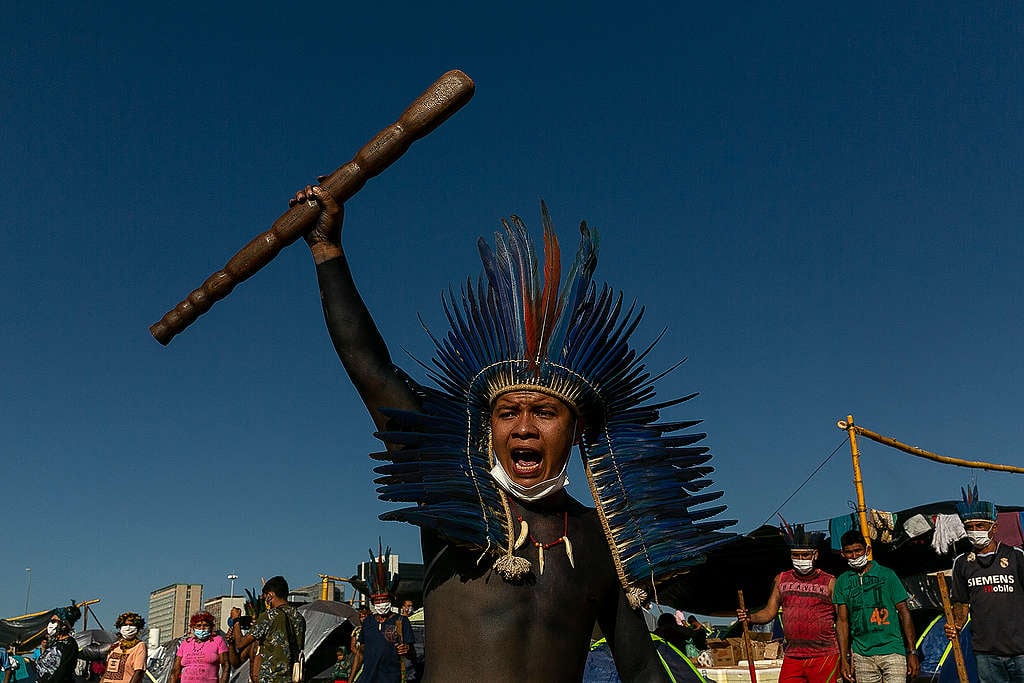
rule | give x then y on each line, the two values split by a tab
822	205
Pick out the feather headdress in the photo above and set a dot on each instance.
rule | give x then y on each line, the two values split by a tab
521	327
974	508
797	538
379	581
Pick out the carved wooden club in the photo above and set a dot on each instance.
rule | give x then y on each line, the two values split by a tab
442	99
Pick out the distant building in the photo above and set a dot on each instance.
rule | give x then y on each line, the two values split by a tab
220	608
170	608
313	592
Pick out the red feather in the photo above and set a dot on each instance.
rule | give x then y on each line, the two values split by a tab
552	278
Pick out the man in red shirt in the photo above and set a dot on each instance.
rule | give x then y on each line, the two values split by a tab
804	593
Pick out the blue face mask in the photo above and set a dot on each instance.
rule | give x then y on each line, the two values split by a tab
201	633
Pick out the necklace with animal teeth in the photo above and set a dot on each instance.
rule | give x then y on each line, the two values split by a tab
524	533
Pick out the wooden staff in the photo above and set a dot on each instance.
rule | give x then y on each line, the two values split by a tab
746	640
947	607
442	99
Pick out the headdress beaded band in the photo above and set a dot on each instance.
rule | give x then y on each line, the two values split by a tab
973	508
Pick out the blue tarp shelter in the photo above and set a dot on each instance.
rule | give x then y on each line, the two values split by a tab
601	668
937	661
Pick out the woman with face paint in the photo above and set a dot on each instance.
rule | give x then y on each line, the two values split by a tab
203	656
126	661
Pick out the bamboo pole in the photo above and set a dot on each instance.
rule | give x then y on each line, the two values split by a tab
746	640
84	603
947	607
858	481
325	580
921	453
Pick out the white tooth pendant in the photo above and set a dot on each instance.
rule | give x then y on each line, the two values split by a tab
524	531
524	534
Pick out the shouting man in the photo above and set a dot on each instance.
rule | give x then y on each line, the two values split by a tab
518	572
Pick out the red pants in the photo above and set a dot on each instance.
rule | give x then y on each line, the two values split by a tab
811	670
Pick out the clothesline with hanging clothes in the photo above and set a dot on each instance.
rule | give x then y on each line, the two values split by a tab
947	528
881	527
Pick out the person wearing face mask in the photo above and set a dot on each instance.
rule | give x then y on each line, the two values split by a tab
804	594
388	652
56	664
988	581
873	624
203	656
126	660
280	632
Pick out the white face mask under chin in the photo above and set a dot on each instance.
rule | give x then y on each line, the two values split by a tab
533	492
979	539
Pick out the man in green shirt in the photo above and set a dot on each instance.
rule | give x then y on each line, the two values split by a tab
281	632
873	646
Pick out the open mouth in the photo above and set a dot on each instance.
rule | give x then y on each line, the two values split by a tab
526	463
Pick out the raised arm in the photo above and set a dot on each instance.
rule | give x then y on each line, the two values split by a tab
363	353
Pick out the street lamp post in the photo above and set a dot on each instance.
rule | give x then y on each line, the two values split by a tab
28	586
232	577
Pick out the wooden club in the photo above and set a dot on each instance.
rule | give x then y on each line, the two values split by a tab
442	99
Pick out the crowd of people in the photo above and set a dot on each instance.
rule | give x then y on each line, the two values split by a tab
858	626
854	627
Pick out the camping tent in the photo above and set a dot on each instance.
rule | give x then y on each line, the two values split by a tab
24	631
601	669
936	652
751	562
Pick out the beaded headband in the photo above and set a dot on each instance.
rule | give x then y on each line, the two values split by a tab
972	508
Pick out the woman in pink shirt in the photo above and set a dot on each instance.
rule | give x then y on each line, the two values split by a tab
203	656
